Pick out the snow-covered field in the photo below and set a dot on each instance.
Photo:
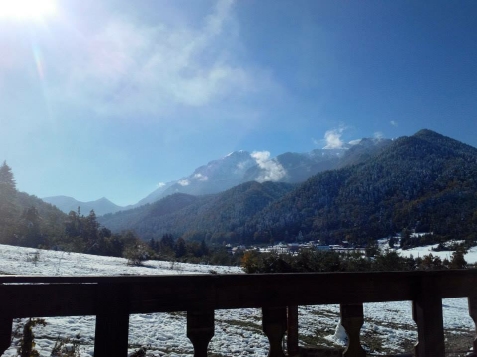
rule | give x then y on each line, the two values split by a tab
470	257
388	326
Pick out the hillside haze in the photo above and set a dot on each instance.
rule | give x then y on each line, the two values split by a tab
425	182
239	167
67	204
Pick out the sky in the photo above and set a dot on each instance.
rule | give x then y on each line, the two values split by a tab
112	98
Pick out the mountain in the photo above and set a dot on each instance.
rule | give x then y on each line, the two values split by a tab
241	166
68	204
425	182
196	216
216	176
24	219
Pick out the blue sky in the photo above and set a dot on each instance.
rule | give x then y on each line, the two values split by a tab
111	98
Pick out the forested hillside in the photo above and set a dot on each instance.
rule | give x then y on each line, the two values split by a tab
425	182
28	221
214	218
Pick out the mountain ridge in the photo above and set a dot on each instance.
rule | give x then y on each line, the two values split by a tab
424	182
66	204
238	167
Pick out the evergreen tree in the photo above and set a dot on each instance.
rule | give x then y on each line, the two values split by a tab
90	229
31	224
8	212
180	248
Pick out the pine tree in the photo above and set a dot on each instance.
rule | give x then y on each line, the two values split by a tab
180	248
7	203
31	227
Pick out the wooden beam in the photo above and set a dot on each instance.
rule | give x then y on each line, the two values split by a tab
427	312
274	321
352	319
112	320
200	330
292	331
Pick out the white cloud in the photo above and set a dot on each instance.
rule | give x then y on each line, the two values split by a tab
333	138
127	68
200	177
355	142
161	184
271	170
378	135
393	123
184	182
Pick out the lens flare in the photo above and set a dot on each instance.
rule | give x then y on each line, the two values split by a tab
38	61
27	9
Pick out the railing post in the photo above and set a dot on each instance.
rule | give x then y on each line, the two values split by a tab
200	330
274	321
6	323
292	331
473	313
352	319
427	313
112	321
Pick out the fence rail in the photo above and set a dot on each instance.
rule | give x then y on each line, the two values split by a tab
113	299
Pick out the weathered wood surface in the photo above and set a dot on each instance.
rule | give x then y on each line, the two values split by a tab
473	313
200	330
352	320
427	313
77	295
292	331
112	299
112	320
274	321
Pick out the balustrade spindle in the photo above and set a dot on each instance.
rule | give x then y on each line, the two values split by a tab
112	321
274	321
473	313
427	313
292	331
200	330
6	323
352	319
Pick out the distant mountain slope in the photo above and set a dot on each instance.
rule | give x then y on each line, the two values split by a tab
217	176
425	182
68	204
242	166
24	219
193	215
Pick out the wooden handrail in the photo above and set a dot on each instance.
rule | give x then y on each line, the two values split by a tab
112	299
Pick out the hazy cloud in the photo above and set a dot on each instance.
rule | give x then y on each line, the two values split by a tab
126	68
271	170
355	142
184	182
378	135
161	184
393	123
333	139
200	177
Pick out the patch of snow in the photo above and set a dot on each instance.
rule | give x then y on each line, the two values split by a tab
238	332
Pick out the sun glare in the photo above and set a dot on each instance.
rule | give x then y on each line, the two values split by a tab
27	9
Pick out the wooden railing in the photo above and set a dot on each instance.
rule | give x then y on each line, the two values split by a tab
113	299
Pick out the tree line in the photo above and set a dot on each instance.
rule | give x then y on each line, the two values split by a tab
309	260
29	222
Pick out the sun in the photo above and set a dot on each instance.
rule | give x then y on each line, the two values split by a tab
27	9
